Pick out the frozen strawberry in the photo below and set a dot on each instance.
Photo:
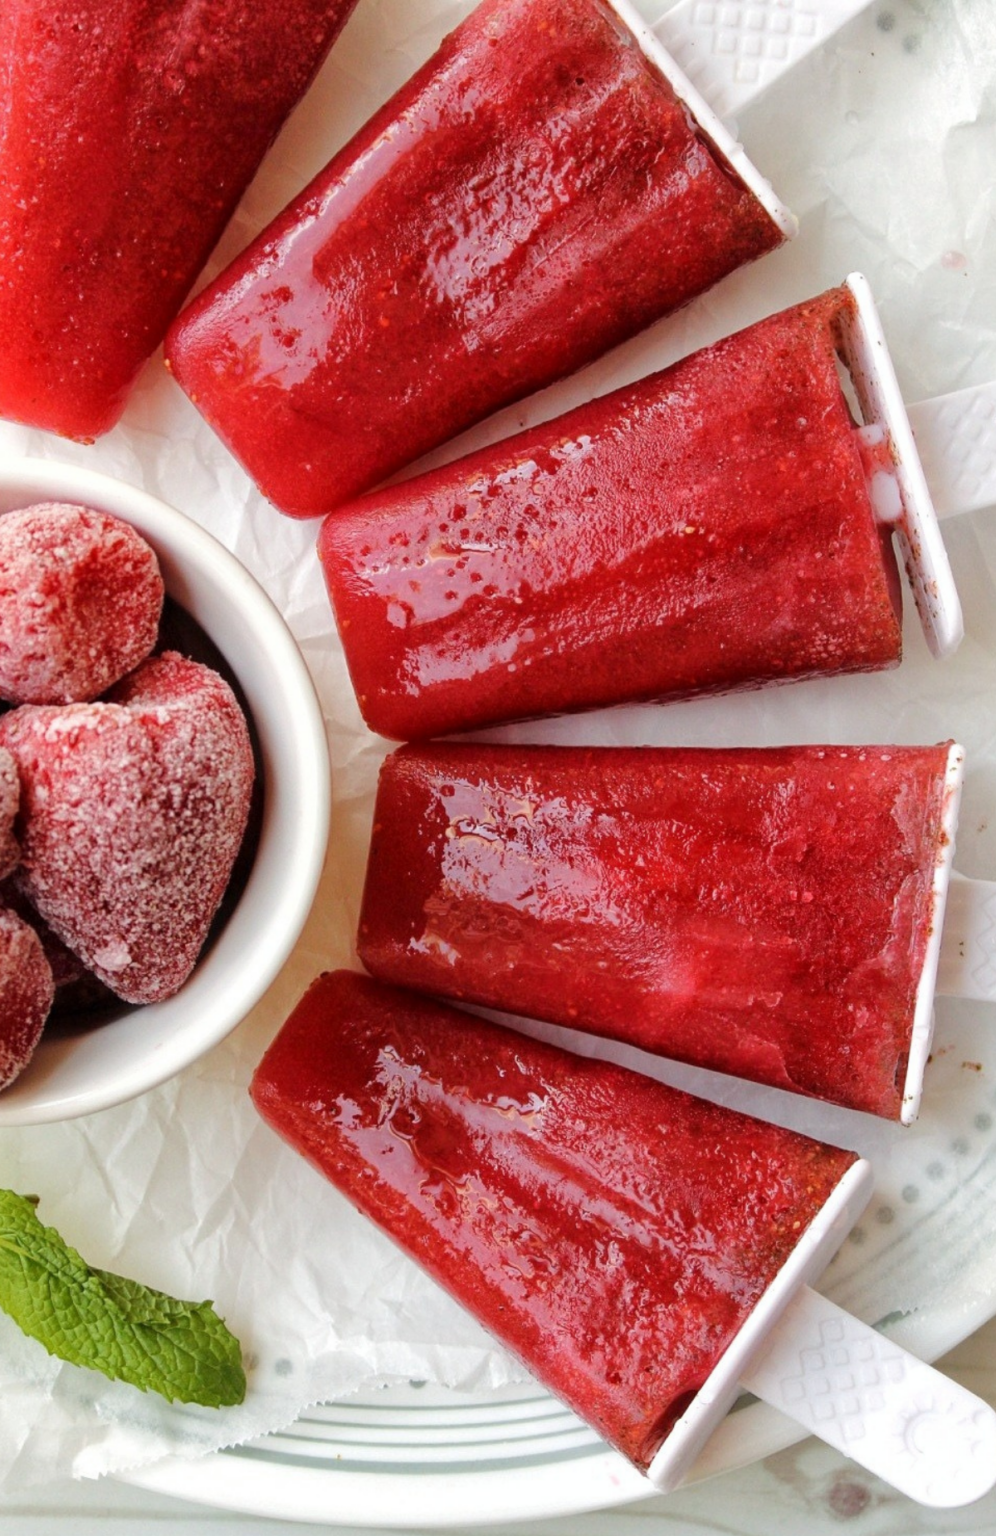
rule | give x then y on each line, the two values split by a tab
132	813
26	991
10	794
66	967
80	599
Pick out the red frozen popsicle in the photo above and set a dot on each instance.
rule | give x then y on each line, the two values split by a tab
707	528
614	1233
534	195
129	130
763	912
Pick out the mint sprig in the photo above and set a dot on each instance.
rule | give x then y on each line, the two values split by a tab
131	1333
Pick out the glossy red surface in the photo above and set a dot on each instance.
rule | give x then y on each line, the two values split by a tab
129	129
762	912
531	197
704	529
612	1232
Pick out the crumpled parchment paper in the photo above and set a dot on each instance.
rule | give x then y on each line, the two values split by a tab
883	143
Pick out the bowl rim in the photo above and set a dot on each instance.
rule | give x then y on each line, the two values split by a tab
78	1075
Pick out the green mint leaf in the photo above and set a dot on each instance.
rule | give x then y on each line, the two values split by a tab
180	1349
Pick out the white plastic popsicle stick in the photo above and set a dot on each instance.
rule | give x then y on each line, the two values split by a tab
922	1032
733	50
967	965
843	1381
911	511
956	440
888	1411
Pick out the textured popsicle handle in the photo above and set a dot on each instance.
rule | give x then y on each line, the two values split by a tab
956	439
899	1418
967	965
732	50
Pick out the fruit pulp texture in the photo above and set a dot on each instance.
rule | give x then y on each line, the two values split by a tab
612	1232
707	528
534	195
762	912
128	133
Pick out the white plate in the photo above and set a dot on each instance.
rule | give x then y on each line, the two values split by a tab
888	164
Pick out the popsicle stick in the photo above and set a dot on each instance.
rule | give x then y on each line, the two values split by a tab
967	966
843	1381
922	1031
886	1410
956	439
733	50
917	530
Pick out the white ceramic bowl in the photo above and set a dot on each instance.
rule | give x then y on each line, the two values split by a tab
115	1060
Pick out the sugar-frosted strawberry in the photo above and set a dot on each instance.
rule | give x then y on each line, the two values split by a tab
80	598
133	810
66	967
10	794
26	990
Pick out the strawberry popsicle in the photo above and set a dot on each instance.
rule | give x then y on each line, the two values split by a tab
771	913
707	528
128	133
535	194
614	1233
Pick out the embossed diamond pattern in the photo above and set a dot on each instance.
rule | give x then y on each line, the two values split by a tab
879	1405
843	1380
732	50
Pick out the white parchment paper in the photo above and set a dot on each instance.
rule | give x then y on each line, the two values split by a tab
883	143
